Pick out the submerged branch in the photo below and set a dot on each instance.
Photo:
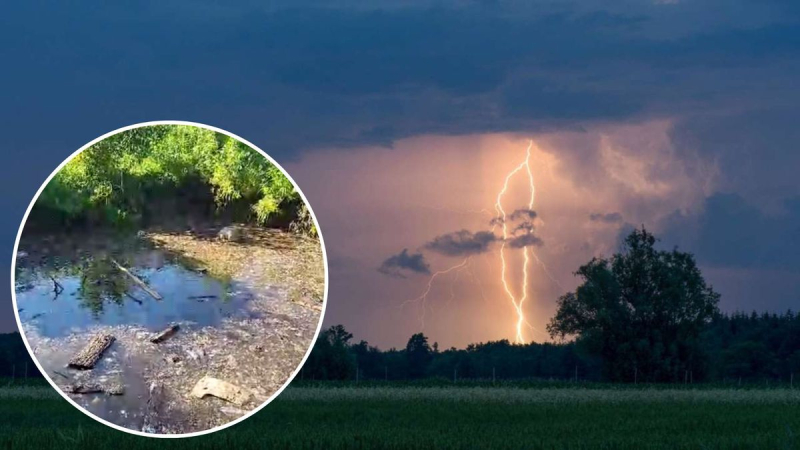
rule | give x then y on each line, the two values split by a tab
138	281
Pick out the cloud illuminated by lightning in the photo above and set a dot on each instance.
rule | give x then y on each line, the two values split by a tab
501	218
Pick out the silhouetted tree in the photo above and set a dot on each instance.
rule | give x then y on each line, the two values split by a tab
642	312
418	353
331	357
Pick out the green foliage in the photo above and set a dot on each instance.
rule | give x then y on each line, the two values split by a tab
113	180
642	312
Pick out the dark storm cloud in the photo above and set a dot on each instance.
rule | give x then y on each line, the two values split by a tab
527	214
525	240
398	265
462	243
466	243
371	75
732	233
525	227
517	214
294	76
611	218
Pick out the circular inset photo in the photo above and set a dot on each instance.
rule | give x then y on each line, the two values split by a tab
169	279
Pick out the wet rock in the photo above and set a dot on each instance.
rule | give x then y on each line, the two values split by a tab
221	389
232	234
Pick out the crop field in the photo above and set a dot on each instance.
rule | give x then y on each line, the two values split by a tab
449	418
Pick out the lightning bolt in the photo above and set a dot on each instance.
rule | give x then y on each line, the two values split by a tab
501	216
516	301
423	298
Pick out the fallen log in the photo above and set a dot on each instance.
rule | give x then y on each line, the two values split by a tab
138	281
94	388
90	354
169	331
221	389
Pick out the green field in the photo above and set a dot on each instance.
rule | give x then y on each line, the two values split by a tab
449	417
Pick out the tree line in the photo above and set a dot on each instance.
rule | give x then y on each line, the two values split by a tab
736	348
642	315
15	362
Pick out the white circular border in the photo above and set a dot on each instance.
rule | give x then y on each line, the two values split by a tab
14	295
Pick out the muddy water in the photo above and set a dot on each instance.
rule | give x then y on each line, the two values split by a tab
236	329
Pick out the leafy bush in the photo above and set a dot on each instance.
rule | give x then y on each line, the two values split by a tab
113	180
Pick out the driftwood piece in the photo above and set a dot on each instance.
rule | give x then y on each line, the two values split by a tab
90	354
138	281
169	331
95	388
221	389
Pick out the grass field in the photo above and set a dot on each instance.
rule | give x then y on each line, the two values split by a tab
449	417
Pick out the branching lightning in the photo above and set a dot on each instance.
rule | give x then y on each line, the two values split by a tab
500	219
423	298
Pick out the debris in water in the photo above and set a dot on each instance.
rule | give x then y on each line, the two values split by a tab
221	389
169	331
95	388
138	281
197	354
173	358
90	354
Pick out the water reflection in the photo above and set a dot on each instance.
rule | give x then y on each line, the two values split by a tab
60	299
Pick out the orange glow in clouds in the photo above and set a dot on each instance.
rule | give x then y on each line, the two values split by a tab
516	301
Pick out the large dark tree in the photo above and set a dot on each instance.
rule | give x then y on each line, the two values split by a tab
419	355
331	358
642	312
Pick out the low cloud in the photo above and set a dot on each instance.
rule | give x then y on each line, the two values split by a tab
611	218
524	213
527	214
525	240
397	265
462	243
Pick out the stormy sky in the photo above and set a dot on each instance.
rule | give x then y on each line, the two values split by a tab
400	121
